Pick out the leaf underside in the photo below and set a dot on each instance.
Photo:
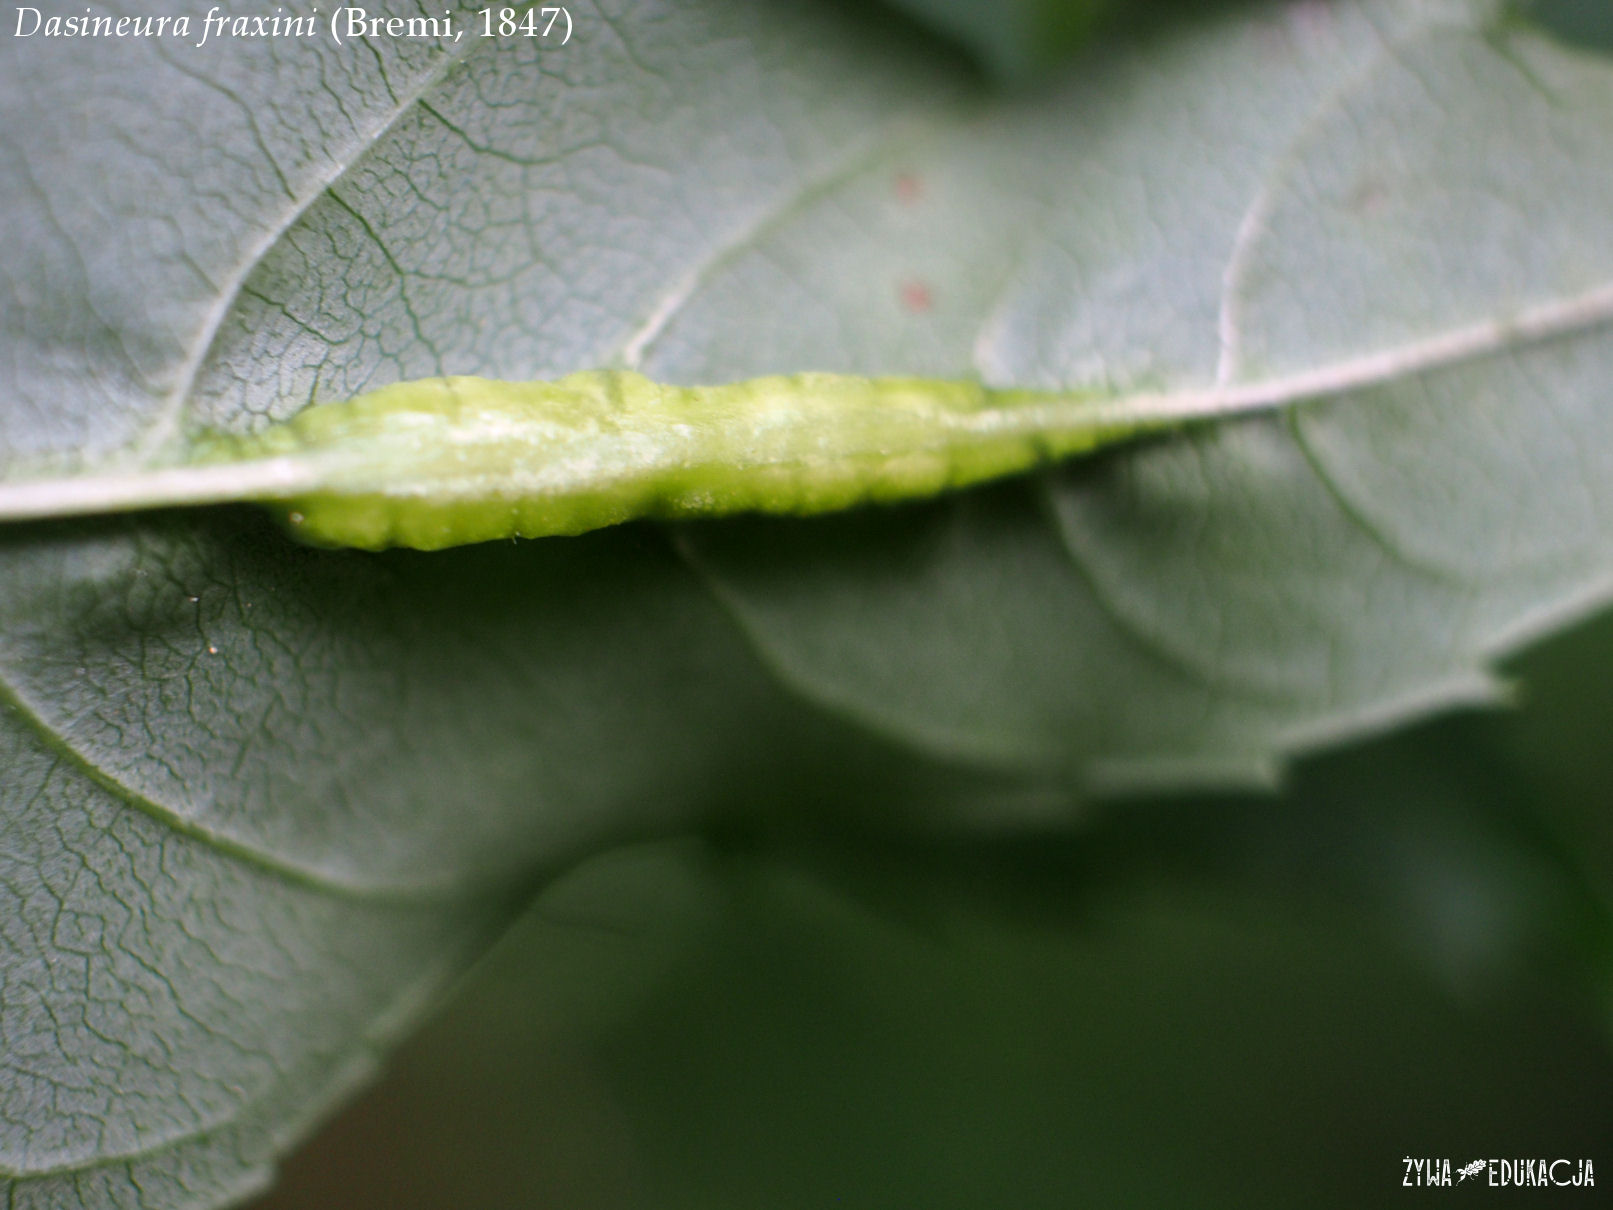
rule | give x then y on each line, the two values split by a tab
257	801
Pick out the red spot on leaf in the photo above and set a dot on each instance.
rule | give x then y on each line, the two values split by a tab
909	188
916	297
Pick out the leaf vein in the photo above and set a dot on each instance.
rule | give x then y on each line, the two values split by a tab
296	874
165	421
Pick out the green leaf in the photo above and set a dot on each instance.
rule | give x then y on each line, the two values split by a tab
1586	22
1018	40
258	801
1202	1003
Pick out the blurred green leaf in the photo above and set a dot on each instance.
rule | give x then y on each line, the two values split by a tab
1201	1003
1587	22
1019	40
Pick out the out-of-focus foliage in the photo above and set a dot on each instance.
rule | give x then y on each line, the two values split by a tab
1019	39
1198	1003
1586	22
